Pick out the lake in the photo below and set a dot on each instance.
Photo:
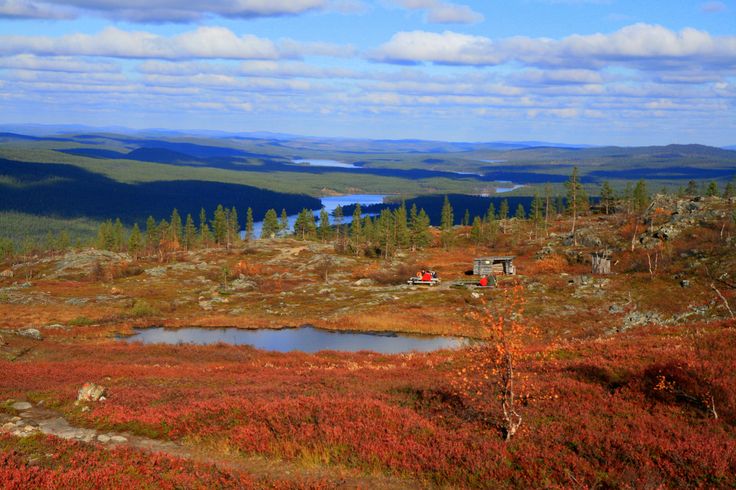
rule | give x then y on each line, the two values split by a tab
312	162
329	203
304	339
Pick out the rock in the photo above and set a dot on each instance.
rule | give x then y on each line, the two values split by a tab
30	333
2	341
90	392
103	438
615	309
156	271
7	427
684	283
243	285
77	301
364	282
118	439
7	273
21	406
475	295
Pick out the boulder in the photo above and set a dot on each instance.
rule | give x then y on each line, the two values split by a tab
30	333
7	273
91	392
21	406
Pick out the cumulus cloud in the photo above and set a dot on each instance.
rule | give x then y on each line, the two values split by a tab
167	10
448	47
204	42
58	64
639	43
440	12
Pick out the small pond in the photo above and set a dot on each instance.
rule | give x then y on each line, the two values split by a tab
313	162
304	339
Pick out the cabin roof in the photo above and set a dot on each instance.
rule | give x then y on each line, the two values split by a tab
497	257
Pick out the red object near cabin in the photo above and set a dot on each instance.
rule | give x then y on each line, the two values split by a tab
483	281
427	276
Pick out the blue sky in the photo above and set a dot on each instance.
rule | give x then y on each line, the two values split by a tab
580	71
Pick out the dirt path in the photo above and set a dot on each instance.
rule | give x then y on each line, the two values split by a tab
34	419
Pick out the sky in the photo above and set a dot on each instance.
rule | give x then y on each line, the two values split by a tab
623	72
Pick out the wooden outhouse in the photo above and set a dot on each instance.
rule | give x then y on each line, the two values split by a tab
496	265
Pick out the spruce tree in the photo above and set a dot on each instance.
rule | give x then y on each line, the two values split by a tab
151	236
577	199
249	224
728	191
424	237
466	217
447	221
536	210
324	232
219	225
385	232
190	233
401	228
640	197
205	235
339	229
712	190
175	228
503	210
520	212
135	241
607	197
476	231
692	188
284	223
270	224
118	235
356	230
233	226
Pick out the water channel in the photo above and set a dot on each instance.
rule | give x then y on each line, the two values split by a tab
304	339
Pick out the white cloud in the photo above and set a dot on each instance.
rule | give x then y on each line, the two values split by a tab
638	44
24	9
445	48
440	12
59	64
713	7
205	42
166	10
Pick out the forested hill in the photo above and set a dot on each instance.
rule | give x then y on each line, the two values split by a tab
68	191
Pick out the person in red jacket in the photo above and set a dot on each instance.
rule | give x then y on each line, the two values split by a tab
483	281
427	276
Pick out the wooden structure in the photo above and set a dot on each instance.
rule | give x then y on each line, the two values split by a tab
601	263
496	265
417	281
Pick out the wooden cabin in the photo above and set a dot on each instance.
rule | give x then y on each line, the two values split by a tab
497	265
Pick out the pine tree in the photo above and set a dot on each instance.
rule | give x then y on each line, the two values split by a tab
339	229
284	223
106	236
423	236
175	228
356	230
118	235
233	226
712	190
190	233
305	226
151	236
205	235
63	241
413	228
491	213
135	241
607	196
692	188
219	225
503	211
476	231
520	212
270	224
536	211
577	200
324	231
728	191
384	232
401	228
640	197
466	217
447	221
249	224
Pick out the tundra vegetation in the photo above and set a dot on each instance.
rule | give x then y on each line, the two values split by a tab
623	380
